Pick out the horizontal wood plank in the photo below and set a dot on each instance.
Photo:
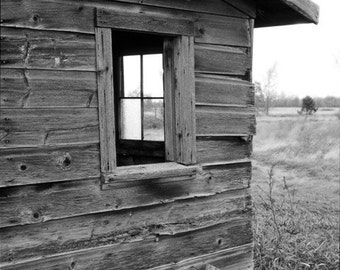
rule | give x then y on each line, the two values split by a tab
78	16
223	31
52	15
211	149
222	60
25	48
158	250
149	171
223	90
55	200
122	226
240	257
145	21
218	7
48	126
224	120
47	88
31	166
207	29
42	138
47	119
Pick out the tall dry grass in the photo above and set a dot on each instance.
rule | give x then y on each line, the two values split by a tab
296	193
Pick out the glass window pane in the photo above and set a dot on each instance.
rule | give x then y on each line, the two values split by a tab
132	78
153	75
153	120
130	119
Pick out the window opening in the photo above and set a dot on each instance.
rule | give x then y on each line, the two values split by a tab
178	147
139	98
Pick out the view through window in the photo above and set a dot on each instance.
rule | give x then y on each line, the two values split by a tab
141	98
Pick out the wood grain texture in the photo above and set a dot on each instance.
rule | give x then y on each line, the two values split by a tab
123	226
41	138
25	48
169	100
144	20
224	120
223	90
184	92
47	88
223	60
149	171
31	166
217	7
55	200
107	130
52	15
211	149
47	119
158	250
223	31
78	16
207	28
229	259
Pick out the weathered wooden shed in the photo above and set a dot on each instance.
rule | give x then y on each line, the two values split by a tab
84	184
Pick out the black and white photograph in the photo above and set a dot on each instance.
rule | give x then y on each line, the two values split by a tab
169	135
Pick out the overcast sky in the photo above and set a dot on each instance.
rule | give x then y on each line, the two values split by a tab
305	54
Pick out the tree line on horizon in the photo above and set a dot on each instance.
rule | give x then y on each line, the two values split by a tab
266	95
272	99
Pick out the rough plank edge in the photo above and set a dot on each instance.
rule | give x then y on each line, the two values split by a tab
223	135
242	14
231	79
90	177
148	171
50	69
221	163
222	105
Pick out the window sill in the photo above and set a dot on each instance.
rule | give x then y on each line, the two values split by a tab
148	171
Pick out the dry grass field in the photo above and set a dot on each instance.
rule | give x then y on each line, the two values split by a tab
296	190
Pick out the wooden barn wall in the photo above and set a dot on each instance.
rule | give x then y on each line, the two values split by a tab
53	213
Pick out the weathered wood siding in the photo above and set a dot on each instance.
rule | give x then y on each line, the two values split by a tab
53	213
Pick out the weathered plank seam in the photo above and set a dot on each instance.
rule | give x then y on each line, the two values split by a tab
183	199
155	237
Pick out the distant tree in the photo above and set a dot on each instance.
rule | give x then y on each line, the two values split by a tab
308	106
337	59
269	87
259	97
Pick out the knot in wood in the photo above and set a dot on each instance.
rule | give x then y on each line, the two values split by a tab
65	161
35	18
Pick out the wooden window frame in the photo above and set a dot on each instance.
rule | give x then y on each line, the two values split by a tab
179	107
